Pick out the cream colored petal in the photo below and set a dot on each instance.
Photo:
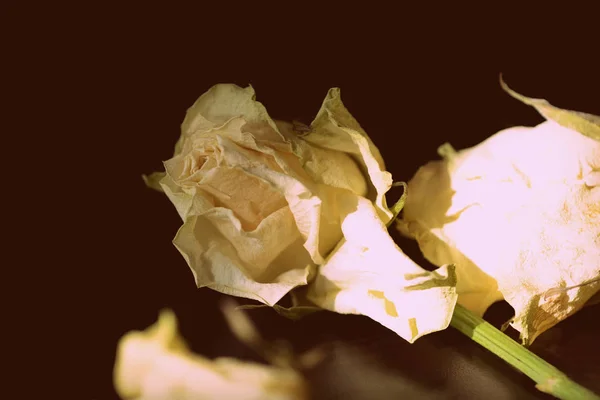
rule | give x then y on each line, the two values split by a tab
251	198
220	104
306	203
334	128
156	365
249	150
517	216
246	154
188	201
558	266
335	169
263	264
326	166
368	274
586	124
432	206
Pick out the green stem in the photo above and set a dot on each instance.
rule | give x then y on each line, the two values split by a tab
397	207
549	379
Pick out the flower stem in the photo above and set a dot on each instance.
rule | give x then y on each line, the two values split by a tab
549	379
397	207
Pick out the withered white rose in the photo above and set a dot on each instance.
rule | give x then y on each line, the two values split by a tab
157	365
264	204
519	215
258	197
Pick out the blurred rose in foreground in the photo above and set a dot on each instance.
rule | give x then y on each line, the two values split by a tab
157	365
519	215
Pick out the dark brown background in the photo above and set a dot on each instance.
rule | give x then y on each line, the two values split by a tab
103	91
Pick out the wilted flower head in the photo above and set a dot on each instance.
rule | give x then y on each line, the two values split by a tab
268	206
519	216
258	197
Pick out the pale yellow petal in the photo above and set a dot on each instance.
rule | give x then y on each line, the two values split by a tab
584	123
334	128
220	104
263	264
325	166
368	274
187	201
308	203
431	208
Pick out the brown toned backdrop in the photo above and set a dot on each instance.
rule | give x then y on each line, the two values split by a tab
106	89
